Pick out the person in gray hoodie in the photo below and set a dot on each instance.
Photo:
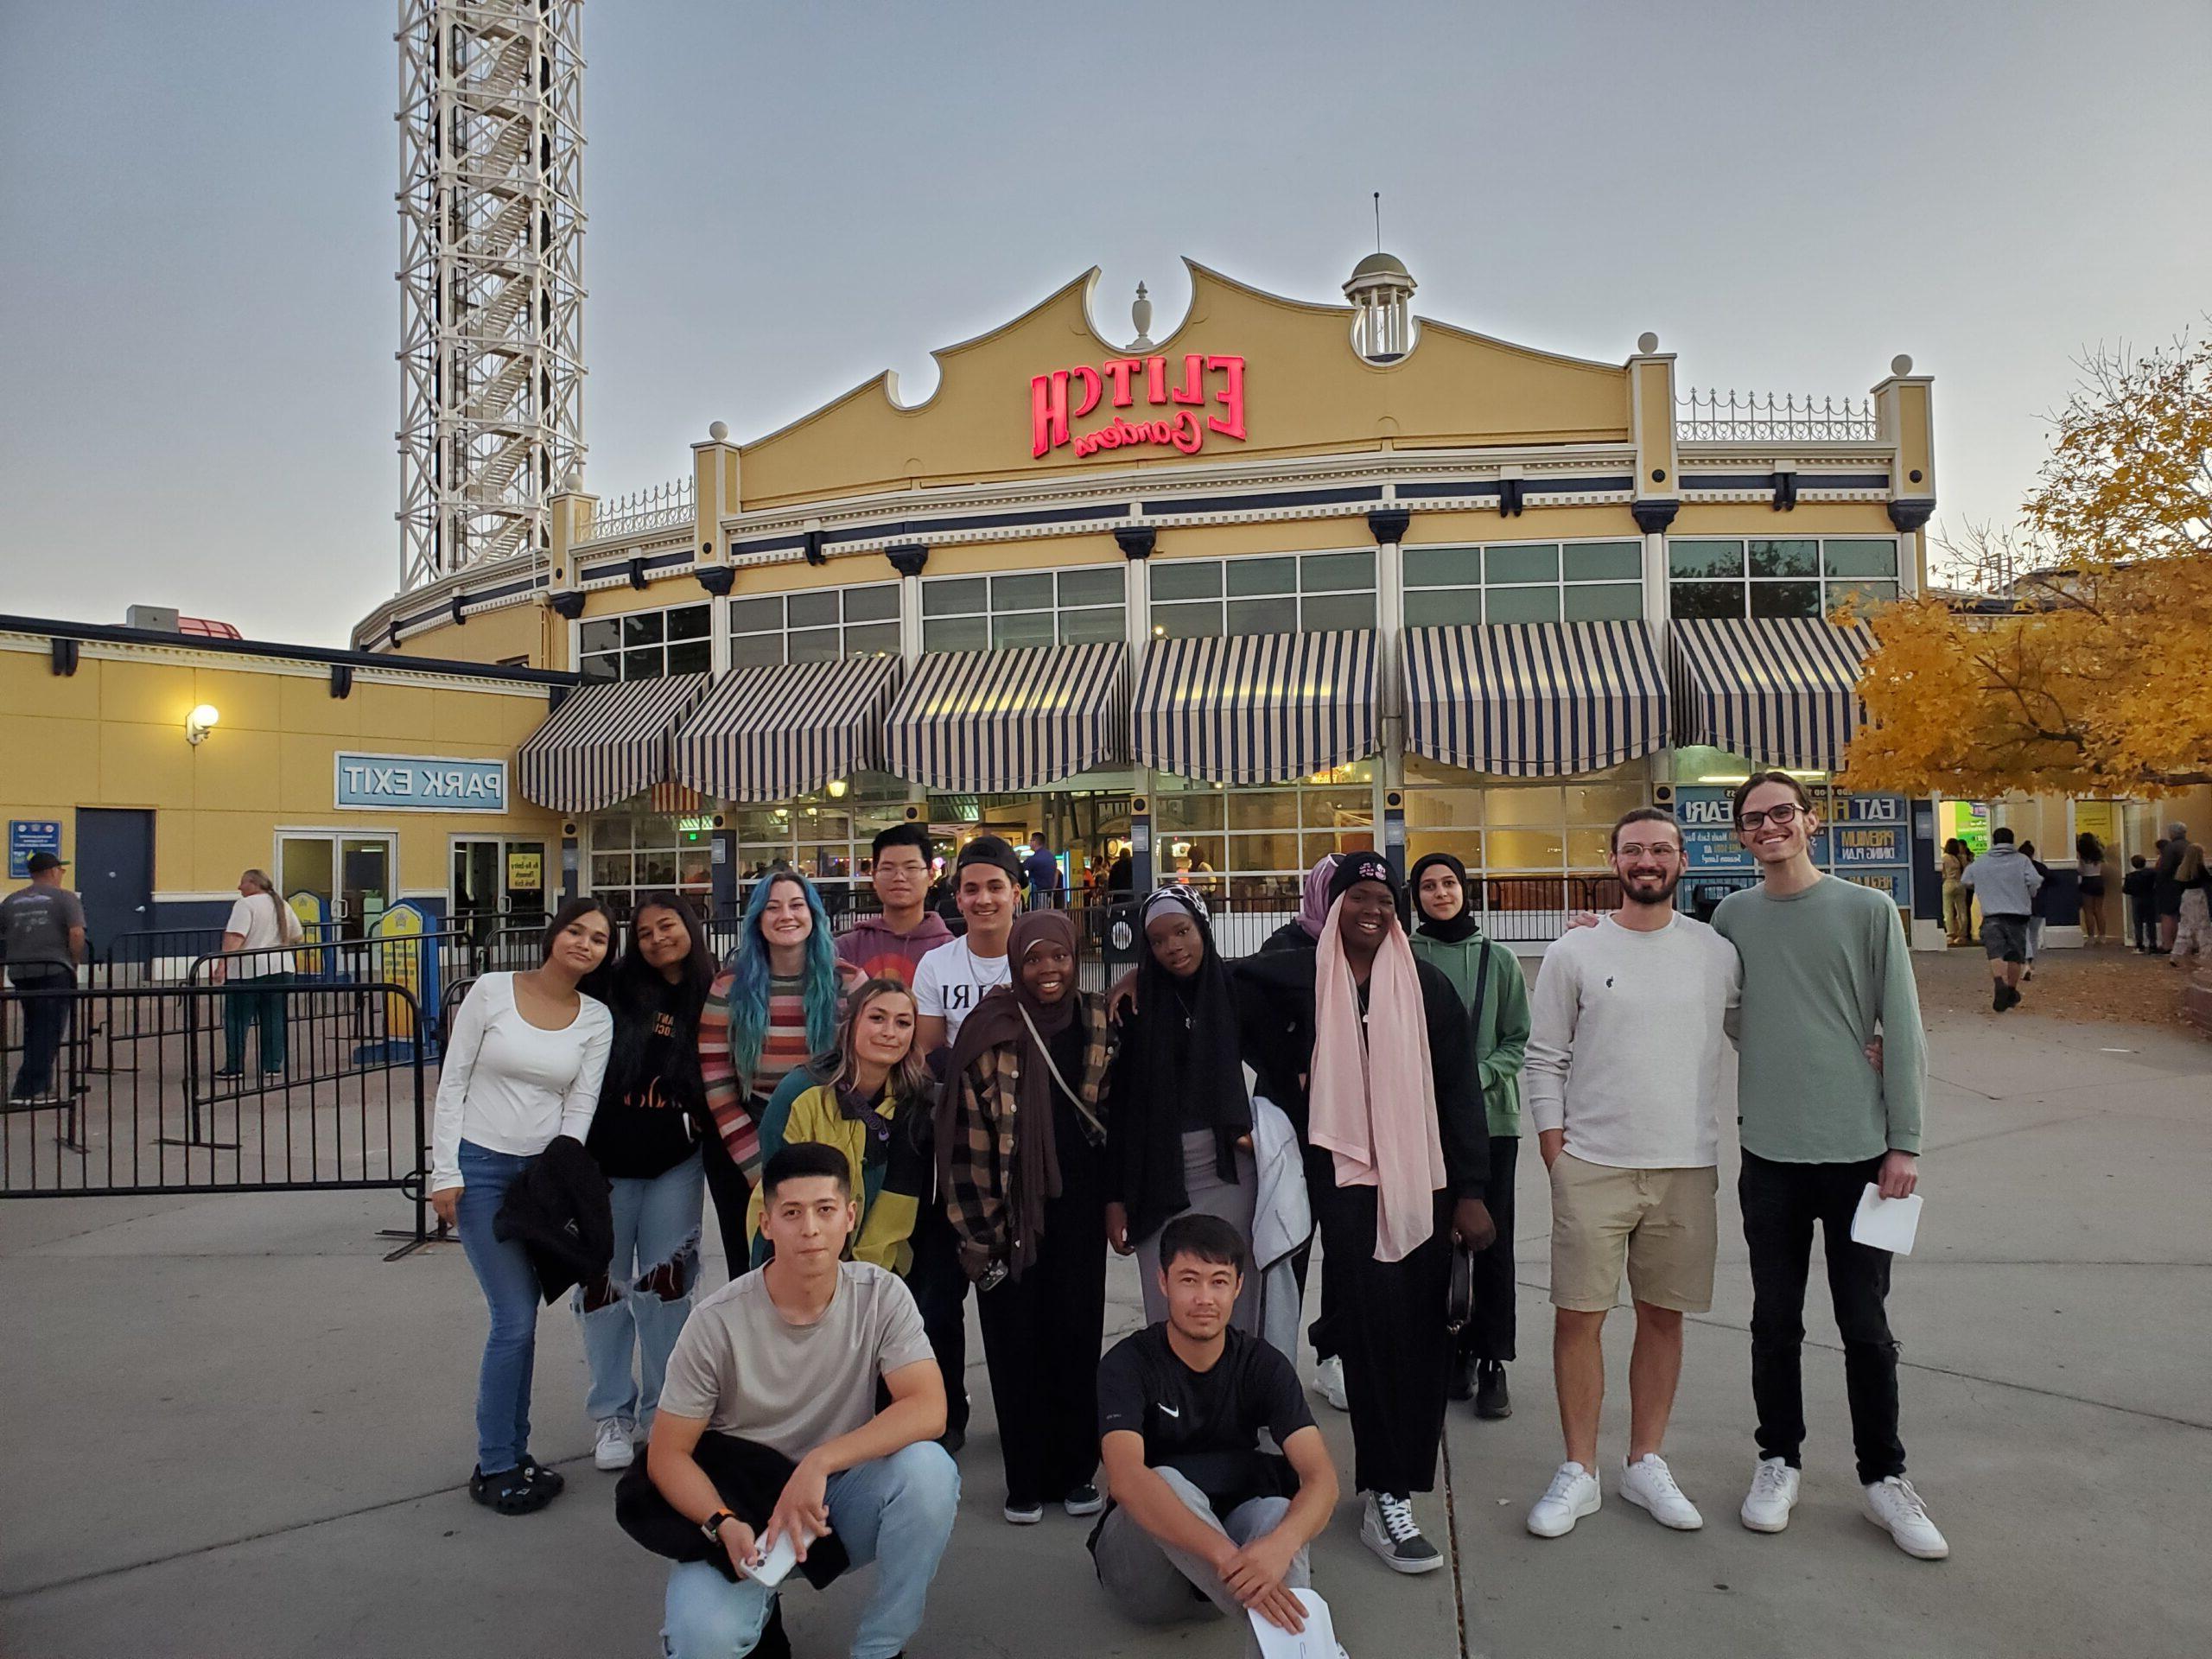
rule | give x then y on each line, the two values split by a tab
2005	880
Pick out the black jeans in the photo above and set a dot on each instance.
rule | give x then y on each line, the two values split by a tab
1489	1335
1781	1203
733	1196
45	1027
940	1290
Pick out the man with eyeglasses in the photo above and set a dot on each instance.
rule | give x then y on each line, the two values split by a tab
1825	973
1622	1080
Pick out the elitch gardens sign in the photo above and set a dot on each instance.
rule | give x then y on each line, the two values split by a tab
1180	404
419	782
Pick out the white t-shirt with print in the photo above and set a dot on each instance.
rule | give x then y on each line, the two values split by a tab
952	981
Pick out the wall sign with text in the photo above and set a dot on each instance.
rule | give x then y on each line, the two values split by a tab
418	783
1174	405
1864	838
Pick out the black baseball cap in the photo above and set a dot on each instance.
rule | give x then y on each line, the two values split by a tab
993	850
39	864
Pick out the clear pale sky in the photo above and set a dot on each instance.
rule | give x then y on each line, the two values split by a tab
197	232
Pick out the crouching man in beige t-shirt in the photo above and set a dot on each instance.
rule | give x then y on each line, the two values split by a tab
789	1357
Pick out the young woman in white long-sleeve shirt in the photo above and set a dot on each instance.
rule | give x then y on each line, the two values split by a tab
522	1065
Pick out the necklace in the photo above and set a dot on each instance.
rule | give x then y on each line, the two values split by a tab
1189	1018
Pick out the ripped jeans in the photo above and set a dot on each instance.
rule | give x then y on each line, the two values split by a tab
645	1293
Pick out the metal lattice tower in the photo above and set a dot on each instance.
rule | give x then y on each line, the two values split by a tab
491	276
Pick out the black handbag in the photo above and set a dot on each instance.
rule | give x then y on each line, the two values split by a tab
1459	1300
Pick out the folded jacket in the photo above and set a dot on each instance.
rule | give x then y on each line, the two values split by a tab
749	1478
559	1211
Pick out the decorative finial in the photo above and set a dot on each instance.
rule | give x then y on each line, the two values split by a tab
1378	221
1140	315
1647	342
1900	365
719	431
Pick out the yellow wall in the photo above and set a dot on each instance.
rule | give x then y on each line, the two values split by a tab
112	734
492	637
1306	392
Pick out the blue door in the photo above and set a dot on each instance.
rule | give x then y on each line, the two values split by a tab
113	872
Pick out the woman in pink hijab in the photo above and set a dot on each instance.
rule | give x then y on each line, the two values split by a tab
1372	1049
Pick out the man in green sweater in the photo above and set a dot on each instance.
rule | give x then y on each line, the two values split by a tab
1826	970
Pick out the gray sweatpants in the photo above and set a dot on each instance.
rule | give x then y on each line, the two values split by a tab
1151	1582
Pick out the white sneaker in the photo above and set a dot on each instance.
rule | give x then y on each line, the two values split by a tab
1892	1505
1329	1381
1572	1494
1386	1527
1650	1484
1773	1495
613	1449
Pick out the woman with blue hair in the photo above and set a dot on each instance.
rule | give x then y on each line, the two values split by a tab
774	1006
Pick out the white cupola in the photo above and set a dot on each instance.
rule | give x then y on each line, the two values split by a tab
1381	289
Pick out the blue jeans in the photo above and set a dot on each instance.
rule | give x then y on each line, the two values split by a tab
896	1512
646	1290
510	1290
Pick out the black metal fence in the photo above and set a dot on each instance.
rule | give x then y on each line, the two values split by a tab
264	1086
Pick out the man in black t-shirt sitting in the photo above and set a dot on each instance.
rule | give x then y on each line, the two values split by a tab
1196	1502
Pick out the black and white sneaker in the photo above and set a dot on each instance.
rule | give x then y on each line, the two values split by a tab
1083	1500
1386	1527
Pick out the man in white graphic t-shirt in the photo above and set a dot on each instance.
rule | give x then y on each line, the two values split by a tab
952	978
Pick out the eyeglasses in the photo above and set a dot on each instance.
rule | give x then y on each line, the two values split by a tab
1779	817
1636	849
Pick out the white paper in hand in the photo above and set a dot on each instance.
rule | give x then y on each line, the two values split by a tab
1316	1641
1886	1223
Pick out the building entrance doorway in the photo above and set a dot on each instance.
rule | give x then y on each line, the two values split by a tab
496	881
352	874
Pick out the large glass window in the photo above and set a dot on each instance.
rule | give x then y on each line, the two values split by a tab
1286	592
824	836
634	852
646	644
815	627
1779	575
1251	846
1040	608
1524	581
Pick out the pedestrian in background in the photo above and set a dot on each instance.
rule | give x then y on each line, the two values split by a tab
1042	872
1958	897
2140	886
2006	883
2167	894
2039	907
2193	924
42	931
2089	866
255	941
646	1136
522	1068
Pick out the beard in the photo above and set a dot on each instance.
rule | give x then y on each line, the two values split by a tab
1650	889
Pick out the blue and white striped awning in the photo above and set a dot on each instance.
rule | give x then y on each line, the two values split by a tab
1257	708
1780	691
994	721
605	743
1535	699
776	731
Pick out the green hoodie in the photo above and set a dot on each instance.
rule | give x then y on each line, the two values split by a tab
1500	1026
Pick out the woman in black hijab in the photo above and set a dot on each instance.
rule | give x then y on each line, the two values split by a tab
1179	1132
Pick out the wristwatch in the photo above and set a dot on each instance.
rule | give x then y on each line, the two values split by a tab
712	1526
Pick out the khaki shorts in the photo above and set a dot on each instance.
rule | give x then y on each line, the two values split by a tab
1660	1222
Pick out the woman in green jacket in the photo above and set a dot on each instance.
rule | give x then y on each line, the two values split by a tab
1488	977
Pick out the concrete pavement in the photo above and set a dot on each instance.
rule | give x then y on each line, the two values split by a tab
233	1430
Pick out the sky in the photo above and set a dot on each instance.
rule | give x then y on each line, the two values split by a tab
198	235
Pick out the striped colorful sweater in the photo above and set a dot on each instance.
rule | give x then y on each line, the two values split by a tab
735	1109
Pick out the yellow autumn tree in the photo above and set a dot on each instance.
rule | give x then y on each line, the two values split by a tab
2083	661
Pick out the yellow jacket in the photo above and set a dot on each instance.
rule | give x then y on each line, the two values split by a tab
889	1200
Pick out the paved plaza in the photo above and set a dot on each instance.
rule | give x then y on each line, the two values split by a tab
233	1430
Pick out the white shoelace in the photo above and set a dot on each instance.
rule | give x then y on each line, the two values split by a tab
1563	1483
1660	1476
1909	1499
1771	1481
1398	1517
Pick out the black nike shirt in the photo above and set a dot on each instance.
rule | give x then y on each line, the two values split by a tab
1206	1424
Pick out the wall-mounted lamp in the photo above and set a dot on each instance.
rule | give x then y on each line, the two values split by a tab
838	788
201	720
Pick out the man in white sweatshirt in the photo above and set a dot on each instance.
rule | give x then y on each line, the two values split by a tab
1623	1083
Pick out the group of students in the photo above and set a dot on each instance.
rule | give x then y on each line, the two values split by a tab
892	1119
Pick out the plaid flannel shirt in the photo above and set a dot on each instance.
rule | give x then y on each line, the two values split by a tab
981	1156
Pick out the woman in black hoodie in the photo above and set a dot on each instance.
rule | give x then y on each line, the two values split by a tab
646	1136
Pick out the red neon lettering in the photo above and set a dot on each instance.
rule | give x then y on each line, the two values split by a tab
1155	379
1231	397
1186	437
1118	370
1088	377
1193	391
1048	412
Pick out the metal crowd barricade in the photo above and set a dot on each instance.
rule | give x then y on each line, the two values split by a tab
148	1124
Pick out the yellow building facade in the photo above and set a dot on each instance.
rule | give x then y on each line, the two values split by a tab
1295	577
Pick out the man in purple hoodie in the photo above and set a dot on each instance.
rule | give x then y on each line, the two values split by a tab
892	945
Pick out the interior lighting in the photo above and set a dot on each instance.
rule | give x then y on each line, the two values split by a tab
838	788
204	718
